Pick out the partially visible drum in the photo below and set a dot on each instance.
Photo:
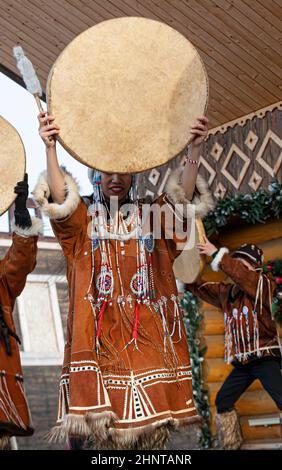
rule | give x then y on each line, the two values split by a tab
12	163
125	94
189	265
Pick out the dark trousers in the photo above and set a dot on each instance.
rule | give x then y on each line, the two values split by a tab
242	376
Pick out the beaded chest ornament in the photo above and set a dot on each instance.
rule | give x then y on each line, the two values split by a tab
104	228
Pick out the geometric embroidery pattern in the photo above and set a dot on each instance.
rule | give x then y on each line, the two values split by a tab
244	158
137	404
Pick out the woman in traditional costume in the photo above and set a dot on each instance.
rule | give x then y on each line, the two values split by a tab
126	379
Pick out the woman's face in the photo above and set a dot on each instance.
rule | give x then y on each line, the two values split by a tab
115	184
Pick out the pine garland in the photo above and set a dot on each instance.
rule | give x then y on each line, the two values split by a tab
192	321
255	207
275	268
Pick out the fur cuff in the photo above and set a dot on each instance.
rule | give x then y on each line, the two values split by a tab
217	259
175	193
41	194
35	229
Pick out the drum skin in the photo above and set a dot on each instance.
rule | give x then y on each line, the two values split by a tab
125	94
189	265
12	163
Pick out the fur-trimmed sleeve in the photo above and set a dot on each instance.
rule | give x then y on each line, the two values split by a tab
69	219
179	214
202	199
34	230
42	196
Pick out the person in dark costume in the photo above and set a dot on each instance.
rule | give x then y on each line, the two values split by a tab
252	342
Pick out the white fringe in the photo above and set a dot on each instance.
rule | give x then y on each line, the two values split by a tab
217	259
176	194
27	71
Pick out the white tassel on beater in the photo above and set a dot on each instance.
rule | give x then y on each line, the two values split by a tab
30	78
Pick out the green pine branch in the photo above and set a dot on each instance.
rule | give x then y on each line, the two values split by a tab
256	207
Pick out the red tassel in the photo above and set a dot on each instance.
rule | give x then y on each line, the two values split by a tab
136	321
100	316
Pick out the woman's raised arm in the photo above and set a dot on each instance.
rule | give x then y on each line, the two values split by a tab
48	131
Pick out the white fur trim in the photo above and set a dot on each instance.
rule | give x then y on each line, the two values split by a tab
217	259
41	194
176	194
88	425
35	229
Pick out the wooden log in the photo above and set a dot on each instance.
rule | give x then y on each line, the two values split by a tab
205	306
234	236
213	323
216	370
254	402
215	345
262	444
260	432
211	276
272	249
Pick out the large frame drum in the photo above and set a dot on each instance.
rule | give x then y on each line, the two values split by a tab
12	163
125	94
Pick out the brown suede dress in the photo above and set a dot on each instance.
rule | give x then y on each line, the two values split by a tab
120	397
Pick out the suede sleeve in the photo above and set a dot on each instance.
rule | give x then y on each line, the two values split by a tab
72	230
20	260
214	293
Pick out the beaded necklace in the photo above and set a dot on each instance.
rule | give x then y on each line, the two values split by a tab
104	228
118	229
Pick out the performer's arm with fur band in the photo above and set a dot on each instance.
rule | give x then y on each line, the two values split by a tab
68	219
20	260
184	211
